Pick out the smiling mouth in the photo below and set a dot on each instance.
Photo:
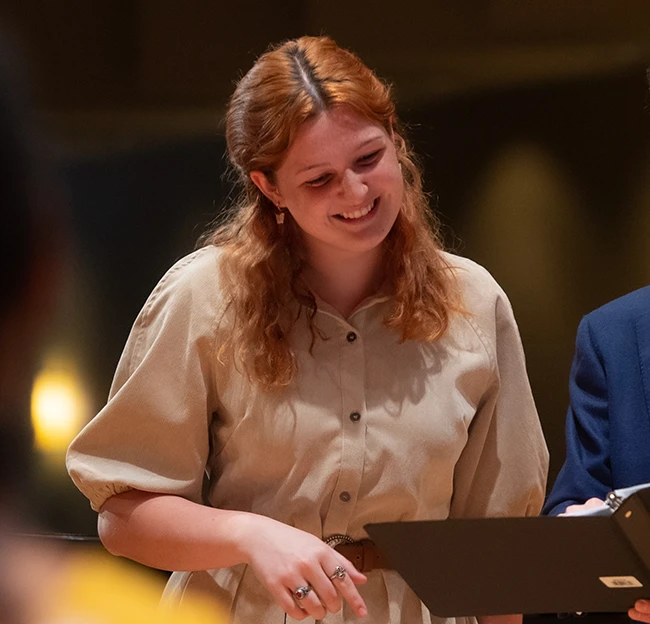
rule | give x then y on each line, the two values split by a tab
358	214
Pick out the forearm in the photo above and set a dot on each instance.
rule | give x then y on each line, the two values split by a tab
500	619
172	533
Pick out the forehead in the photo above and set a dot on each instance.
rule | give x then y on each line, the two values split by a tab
331	135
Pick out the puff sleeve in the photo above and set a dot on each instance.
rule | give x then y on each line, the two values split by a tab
503	467
153	434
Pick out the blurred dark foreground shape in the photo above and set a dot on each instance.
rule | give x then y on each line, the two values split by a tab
46	579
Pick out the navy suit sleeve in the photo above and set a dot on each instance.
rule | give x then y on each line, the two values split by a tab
587	471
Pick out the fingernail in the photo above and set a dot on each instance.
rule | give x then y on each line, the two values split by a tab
363	612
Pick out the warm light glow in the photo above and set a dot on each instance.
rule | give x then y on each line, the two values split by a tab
59	406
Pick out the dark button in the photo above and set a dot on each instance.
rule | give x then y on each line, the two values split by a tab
345	496
355	417
351	337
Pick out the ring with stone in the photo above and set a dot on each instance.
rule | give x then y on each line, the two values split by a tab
300	593
339	573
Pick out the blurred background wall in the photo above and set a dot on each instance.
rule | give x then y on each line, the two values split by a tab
531	120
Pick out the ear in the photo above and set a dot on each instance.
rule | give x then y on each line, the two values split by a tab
261	181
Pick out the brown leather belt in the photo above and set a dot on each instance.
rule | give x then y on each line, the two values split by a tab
364	555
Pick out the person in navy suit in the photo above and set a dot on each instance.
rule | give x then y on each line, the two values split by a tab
608	422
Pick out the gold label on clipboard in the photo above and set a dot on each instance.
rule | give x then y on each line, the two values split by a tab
620	582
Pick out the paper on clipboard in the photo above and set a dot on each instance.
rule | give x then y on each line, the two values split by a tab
612	502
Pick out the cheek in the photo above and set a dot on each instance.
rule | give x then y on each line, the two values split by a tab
393	181
400	185
308	211
389	172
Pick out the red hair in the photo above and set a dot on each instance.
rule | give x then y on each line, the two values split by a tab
287	86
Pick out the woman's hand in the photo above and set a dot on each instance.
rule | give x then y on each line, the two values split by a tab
284	558
640	611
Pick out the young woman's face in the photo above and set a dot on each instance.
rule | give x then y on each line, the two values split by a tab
342	183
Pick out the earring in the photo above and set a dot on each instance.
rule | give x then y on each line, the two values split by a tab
279	215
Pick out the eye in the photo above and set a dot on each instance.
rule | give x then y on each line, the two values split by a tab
319	181
370	159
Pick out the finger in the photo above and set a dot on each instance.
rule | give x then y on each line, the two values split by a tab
348	590
638	615
312	605
357	577
592	503
571	509
309	603
643	606
285	599
326	590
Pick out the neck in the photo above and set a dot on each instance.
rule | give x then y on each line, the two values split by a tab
345	280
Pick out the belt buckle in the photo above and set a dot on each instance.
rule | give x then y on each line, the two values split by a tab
337	539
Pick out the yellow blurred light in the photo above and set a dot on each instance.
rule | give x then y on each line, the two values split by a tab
58	406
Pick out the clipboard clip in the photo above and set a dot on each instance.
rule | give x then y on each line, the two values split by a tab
613	500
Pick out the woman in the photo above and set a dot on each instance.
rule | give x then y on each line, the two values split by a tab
318	365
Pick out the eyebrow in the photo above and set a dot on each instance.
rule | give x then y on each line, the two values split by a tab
323	164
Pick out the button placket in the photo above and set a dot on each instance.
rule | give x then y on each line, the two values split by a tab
353	450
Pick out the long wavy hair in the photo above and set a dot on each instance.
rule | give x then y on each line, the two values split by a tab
263	261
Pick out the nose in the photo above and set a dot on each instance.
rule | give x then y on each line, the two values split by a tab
353	187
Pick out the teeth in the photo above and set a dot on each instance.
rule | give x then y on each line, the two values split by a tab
359	213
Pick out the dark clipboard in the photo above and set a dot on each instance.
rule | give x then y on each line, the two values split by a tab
524	565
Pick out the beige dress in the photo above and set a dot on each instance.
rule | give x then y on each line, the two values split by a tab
371	430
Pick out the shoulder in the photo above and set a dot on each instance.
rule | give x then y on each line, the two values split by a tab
487	312
480	292
626	308
185	307
616	326
191	282
194	271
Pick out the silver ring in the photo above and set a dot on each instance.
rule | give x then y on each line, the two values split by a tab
300	593
339	573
